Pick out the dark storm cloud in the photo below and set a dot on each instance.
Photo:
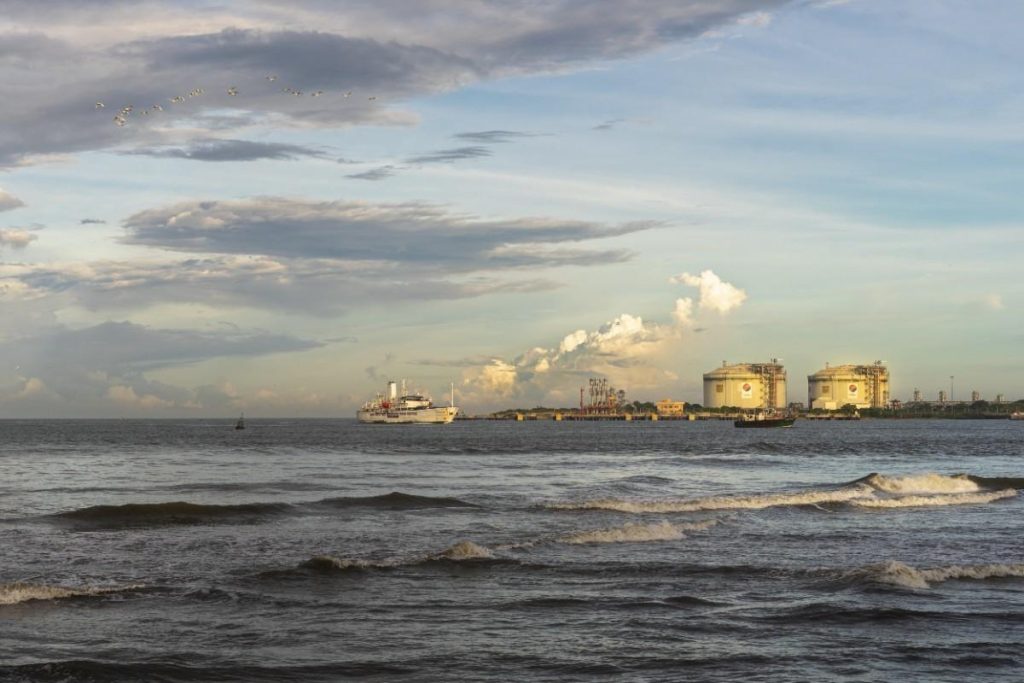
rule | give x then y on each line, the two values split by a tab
450	155
231	150
415	233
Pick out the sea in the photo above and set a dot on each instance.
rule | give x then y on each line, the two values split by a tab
326	550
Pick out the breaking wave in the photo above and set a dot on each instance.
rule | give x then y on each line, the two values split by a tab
755	502
903	575
19	592
926	501
463	551
636	533
921	483
874	491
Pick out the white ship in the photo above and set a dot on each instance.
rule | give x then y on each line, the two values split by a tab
407	408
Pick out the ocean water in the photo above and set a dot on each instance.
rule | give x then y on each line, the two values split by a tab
494	551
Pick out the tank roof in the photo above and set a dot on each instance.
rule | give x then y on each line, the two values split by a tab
849	369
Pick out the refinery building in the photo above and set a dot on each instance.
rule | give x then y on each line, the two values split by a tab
749	386
863	386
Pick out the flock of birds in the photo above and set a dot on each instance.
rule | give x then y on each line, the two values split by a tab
121	117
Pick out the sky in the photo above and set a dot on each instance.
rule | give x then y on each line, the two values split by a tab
209	207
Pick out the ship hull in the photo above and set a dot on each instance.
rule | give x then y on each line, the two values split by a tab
767	423
442	415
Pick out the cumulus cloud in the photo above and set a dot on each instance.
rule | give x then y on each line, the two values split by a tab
621	350
15	238
629	351
715	295
8	201
230	150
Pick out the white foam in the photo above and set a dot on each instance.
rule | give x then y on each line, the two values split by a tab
466	550
345	563
923	483
926	501
755	502
900	574
636	533
979	572
18	592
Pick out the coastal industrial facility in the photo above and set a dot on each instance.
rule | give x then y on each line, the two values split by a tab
863	386
749	386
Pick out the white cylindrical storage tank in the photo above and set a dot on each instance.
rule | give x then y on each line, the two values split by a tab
746	385
863	386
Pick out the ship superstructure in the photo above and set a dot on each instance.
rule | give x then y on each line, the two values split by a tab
405	407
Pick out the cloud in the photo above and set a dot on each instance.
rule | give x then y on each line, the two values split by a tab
105	364
609	124
411	232
291	285
379	173
449	155
230	150
624	350
15	238
628	351
92	221
715	294
490	137
683	312
8	201
59	58
993	302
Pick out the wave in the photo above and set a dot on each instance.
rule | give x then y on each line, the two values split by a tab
395	500
636	533
754	502
921	483
171	669
463	551
19	592
184	513
997	482
172	513
874	490
905	576
927	501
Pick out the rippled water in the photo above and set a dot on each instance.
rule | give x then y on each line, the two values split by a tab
327	550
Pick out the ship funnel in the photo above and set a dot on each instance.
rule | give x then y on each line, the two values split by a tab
392	390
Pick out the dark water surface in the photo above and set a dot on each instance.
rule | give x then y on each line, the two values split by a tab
327	550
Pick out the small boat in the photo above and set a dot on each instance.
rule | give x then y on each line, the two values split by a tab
241	422
1017	415
764	421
